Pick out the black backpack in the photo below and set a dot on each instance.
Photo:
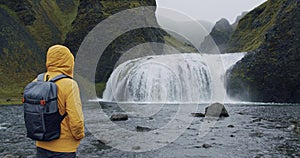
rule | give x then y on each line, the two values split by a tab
41	113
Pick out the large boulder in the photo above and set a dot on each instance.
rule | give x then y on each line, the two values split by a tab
216	110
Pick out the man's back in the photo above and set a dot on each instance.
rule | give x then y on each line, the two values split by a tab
61	61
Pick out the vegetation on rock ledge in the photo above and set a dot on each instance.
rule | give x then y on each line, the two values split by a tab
271	73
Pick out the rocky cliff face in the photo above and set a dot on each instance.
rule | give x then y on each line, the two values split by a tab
272	71
92	12
218	38
29	27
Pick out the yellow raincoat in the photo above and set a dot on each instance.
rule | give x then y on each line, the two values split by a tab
61	61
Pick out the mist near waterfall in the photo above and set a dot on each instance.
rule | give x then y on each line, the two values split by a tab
187	77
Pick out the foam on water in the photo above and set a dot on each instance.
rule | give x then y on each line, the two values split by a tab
196	103
164	78
176	78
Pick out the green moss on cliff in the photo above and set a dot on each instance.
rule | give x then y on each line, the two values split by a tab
62	17
112	7
219	36
272	71
52	22
251	30
19	59
29	27
180	46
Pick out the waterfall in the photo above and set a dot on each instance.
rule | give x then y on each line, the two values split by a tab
186	77
219	64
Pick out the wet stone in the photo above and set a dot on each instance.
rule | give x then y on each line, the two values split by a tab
142	129
9	156
136	148
278	126
230	126
266	140
256	120
197	146
206	146
293	121
291	127
4	126
216	110
297	130
197	114
119	117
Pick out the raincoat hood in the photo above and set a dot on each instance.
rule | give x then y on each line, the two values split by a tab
60	60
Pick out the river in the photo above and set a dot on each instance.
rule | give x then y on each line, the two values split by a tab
251	130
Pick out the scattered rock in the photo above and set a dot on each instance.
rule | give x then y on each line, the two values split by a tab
294	128
259	155
256	134
232	135
102	141
4	126
8	100
230	126
278	126
136	148
142	129
119	117
9	156
240	113
260	124
291	127
293	121
206	146
197	146
256	120
216	110
197	114
297	130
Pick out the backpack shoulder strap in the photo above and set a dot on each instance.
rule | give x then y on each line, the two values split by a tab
58	77
40	77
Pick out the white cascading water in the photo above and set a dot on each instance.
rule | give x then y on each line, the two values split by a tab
218	65
190	77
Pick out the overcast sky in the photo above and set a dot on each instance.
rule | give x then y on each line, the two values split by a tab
210	10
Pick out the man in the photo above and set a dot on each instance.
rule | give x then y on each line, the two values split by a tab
61	61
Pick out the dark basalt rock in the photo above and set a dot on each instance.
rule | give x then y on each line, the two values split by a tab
197	114
142	129
206	146
216	41
216	110
271	72
119	117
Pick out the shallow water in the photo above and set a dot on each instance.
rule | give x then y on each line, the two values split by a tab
252	130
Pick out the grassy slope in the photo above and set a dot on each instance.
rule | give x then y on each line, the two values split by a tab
15	54
22	53
251	30
271	73
180	46
52	22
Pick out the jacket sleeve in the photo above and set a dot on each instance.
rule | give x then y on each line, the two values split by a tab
74	110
